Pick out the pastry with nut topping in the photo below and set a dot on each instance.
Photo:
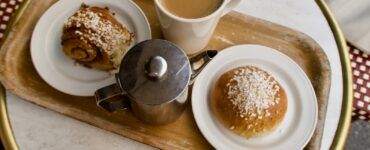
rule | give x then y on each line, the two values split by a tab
249	101
94	38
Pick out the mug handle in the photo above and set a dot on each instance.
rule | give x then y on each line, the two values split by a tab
231	4
110	98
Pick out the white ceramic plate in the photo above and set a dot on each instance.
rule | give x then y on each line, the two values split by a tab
60	71
300	119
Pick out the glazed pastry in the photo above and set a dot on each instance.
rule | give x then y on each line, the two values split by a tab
94	38
249	101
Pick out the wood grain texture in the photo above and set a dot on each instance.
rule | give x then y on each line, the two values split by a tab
20	77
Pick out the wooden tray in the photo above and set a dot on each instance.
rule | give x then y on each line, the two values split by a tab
20	77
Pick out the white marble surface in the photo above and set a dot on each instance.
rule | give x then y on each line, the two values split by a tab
354	18
38	128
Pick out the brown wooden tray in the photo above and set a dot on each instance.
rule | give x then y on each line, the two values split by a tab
20	77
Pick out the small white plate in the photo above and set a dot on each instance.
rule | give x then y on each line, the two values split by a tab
300	119
60	71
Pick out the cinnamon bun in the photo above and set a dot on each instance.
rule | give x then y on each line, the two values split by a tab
94	38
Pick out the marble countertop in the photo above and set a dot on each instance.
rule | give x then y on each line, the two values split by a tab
353	17
37	128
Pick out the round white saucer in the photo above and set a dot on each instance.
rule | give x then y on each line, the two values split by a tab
300	119
60	71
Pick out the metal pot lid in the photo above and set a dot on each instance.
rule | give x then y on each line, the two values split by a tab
154	72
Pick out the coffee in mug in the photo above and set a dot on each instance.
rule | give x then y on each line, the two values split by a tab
191	9
190	23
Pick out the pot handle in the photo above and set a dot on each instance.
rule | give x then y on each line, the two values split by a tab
110	98
204	58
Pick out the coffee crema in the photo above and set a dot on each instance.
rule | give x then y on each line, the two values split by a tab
191	9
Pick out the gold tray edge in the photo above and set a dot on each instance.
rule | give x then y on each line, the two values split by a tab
6	134
9	142
345	117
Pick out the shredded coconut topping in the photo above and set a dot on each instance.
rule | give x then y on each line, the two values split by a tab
101	32
252	91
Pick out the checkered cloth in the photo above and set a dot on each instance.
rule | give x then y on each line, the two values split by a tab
7	8
360	63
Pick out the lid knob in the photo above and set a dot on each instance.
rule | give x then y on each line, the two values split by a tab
156	67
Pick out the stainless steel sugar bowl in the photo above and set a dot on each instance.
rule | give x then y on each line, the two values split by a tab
153	80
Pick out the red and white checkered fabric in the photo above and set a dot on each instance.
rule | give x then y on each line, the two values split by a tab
7	7
360	63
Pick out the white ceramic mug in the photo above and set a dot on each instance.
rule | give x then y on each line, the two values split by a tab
192	35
